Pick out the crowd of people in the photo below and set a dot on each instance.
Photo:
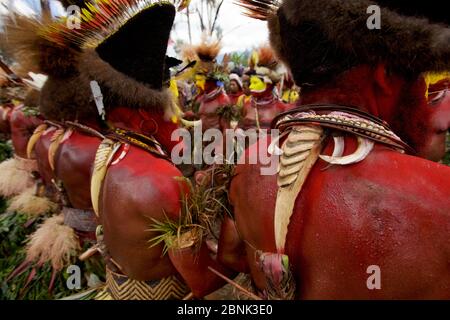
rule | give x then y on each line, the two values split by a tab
92	113
250	96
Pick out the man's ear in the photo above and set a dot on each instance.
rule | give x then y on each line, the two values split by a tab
382	80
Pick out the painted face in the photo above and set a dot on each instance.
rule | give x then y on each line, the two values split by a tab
437	87
257	85
425	115
200	80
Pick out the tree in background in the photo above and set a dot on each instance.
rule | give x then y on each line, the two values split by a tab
207	12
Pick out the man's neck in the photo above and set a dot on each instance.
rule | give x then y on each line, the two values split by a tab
266	95
355	89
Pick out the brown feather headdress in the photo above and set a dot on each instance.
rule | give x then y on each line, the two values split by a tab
205	54
208	50
23	41
125	39
263	63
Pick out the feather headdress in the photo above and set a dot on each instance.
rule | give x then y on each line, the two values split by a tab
208	50
121	44
96	22
205	54
262	62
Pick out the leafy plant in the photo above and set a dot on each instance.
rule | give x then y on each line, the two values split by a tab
170	232
14	230
204	203
30	111
240	58
229	113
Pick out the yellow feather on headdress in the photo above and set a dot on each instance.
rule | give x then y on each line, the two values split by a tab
264	63
97	22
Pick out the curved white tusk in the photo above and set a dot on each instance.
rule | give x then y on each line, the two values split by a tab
338	149
273	148
339	144
365	146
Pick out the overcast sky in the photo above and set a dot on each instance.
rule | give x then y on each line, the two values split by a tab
239	32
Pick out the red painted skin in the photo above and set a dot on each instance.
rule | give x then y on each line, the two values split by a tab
75	156
390	210
22	127
5	114
265	113
234	97
139	188
208	109
45	171
73	166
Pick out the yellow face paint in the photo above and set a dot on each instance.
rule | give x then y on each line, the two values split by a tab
257	85
432	78
290	96
200	81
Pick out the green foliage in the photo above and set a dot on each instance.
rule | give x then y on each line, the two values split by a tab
219	75
6	150
203	204
3	206
14	230
167	230
195	106
240	58
30	111
447	155
229	113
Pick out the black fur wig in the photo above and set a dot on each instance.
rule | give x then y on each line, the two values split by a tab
320	39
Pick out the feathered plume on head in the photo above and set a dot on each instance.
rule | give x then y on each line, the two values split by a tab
206	54
119	43
266	57
100	20
3	78
262	62
208	50
188	53
22	40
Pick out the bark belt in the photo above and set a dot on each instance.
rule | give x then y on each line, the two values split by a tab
121	287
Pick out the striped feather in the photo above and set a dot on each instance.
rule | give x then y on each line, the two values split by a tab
258	9
97	22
